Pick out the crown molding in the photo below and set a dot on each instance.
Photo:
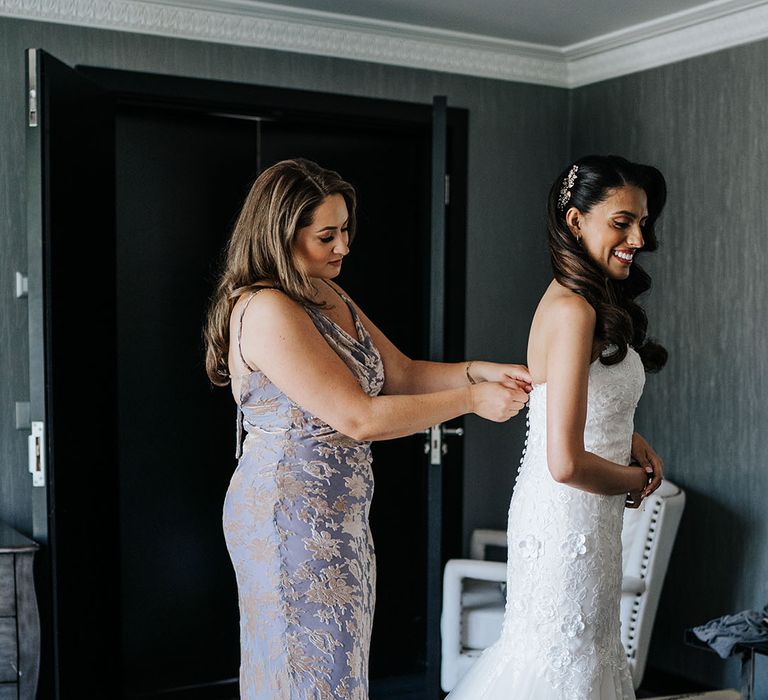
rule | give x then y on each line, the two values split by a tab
270	26
711	27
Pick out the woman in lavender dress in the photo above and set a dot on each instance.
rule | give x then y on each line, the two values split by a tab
315	382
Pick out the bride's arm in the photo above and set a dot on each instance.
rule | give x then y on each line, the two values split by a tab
571	325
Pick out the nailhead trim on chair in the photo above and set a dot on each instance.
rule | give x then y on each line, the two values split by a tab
631	651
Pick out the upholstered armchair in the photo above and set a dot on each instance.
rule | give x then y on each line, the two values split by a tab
474	596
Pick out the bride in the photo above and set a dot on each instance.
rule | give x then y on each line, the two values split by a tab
587	355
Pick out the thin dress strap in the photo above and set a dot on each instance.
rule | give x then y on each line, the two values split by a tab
240	329
360	330
348	303
240	415
343	297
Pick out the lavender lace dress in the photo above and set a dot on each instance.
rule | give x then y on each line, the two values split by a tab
296	527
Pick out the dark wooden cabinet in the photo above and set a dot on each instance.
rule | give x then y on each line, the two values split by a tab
19	618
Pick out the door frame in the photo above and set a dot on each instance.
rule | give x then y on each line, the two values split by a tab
183	94
206	95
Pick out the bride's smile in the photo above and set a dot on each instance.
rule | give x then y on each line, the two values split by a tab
612	231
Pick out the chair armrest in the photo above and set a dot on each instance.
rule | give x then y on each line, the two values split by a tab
457	569
632	584
482	538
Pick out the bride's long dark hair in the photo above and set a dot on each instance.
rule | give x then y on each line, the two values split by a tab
620	319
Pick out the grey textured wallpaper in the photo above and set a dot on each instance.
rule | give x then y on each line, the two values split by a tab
517	138
704	123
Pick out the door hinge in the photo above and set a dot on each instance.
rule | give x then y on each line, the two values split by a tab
32	82
36	445
22	285
447	190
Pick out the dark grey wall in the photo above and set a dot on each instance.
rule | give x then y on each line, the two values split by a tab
518	136
704	123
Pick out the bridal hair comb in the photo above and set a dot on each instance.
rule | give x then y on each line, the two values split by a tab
565	190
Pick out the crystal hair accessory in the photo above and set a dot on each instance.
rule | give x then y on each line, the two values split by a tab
565	190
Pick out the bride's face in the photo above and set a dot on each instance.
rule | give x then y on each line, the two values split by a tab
612	231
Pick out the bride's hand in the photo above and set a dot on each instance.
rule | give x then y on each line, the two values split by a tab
647	458
635	498
512	376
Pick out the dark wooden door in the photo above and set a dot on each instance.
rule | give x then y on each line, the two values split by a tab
387	274
70	219
171	170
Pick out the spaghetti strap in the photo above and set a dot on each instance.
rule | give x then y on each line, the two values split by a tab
240	414
240	325
343	297
359	327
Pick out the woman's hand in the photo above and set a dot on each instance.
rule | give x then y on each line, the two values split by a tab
635	497
647	458
633	500
497	402
512	376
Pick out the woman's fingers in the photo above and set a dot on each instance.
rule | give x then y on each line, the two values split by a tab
654	468
517	375
647	458
497	402
634	503
516	384
517	398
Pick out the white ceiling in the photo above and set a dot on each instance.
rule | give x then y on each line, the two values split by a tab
558	23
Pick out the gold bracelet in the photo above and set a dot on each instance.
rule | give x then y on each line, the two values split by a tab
469	376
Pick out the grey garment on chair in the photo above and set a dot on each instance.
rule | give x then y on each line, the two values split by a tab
724	633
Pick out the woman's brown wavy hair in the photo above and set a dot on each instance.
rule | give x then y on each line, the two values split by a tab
620	319
259	252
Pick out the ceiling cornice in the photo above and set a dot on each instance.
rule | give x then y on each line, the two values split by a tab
707	28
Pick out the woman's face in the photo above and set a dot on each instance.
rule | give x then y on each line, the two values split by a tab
320	247
612	231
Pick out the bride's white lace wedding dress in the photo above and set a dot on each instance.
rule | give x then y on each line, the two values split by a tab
560	639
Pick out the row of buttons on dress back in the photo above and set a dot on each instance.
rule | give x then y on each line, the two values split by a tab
525	444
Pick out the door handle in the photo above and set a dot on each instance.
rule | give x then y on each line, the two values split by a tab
435	446
458	432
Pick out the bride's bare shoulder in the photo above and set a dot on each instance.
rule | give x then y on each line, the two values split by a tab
560	314
561	305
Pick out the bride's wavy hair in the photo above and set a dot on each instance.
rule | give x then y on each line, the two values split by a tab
620	319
